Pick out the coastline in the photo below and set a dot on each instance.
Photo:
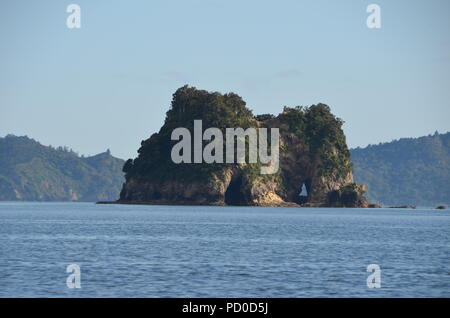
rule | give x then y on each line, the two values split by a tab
282	205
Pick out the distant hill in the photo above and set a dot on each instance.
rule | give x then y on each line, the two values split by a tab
30	171
409	171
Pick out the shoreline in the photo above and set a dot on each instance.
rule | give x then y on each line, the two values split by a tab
281	205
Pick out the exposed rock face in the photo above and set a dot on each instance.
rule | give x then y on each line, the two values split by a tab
313	154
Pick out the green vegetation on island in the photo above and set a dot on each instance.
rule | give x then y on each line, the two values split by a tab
313	154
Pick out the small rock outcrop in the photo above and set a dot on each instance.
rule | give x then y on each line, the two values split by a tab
313	157
411	207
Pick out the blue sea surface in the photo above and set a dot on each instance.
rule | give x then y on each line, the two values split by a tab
190	251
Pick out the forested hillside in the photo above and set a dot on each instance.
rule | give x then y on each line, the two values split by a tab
30	171
409	171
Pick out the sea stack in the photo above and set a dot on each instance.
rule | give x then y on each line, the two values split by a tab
313	156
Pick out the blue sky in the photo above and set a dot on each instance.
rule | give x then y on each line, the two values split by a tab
109	84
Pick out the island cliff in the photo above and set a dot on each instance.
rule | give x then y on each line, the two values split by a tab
313	155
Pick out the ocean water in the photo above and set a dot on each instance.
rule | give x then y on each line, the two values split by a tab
172	251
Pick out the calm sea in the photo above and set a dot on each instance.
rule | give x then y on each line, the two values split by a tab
171	251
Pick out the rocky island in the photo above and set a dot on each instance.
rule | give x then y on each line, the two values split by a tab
313	156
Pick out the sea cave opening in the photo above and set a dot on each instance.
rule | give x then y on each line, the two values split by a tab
303	194
234	194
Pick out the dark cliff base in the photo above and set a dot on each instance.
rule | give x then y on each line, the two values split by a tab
187	203
285	204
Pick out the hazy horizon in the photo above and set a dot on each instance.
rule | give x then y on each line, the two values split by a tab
109	83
